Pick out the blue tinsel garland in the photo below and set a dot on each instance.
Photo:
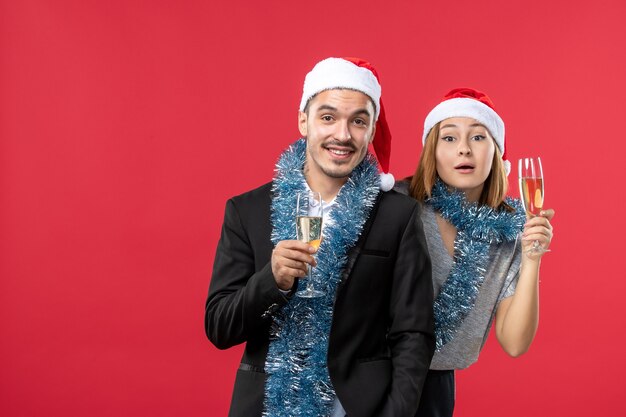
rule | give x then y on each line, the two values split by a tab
478	226
298	383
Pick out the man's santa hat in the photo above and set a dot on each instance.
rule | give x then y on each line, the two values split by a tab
467	102
354	74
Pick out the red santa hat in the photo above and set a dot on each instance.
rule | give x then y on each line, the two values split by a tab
360	75
467	102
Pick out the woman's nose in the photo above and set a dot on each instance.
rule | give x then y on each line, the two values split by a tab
464	148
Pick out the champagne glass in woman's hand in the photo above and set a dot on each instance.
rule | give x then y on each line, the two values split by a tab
309	228
531	192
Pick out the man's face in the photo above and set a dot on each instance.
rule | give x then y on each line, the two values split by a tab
338	126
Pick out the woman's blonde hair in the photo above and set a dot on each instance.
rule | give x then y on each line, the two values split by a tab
422	183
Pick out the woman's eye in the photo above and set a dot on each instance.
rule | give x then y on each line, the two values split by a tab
447	138
478	137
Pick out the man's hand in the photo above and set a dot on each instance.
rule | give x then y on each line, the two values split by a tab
289	261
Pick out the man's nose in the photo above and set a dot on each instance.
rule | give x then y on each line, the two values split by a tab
343	131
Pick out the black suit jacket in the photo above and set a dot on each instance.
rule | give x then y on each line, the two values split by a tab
381	339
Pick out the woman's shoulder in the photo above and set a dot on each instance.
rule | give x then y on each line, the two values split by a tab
402	186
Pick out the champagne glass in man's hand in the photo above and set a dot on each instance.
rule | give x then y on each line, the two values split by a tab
309	228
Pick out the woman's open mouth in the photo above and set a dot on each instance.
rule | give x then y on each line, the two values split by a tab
464	168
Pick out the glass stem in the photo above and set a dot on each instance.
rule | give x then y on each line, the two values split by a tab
309	282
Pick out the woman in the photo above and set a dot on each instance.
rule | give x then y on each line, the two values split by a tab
483	267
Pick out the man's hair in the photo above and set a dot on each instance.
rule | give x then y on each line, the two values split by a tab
308	102
494	190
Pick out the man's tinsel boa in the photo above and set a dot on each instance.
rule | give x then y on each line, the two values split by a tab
478	226
297	382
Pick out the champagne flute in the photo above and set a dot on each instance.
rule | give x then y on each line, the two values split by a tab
531	191
309	215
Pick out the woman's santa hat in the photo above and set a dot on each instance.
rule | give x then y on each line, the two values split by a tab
467	102
354	74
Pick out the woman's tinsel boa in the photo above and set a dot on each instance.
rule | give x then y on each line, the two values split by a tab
478	226
297	382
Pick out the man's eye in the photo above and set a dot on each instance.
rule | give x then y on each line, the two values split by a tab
359	122
327	118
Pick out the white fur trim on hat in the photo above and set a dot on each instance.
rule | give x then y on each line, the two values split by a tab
339	73
467	107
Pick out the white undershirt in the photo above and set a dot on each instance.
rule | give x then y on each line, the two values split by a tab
338	410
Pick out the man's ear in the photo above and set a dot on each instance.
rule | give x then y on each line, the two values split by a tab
373	133
302	119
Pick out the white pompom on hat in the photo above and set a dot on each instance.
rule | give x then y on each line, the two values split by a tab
467	102
359	75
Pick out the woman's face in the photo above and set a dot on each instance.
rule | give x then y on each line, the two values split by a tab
464	155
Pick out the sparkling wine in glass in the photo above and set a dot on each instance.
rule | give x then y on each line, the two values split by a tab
531	191
309	214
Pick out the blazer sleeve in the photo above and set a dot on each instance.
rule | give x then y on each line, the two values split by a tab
411	331
241	299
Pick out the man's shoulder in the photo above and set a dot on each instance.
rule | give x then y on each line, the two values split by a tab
402	186
254	196
253	204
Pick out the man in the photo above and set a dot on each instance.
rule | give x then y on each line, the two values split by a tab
364	347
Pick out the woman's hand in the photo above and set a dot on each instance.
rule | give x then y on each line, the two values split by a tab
538	229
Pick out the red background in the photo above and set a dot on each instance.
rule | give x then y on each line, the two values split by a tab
125	125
